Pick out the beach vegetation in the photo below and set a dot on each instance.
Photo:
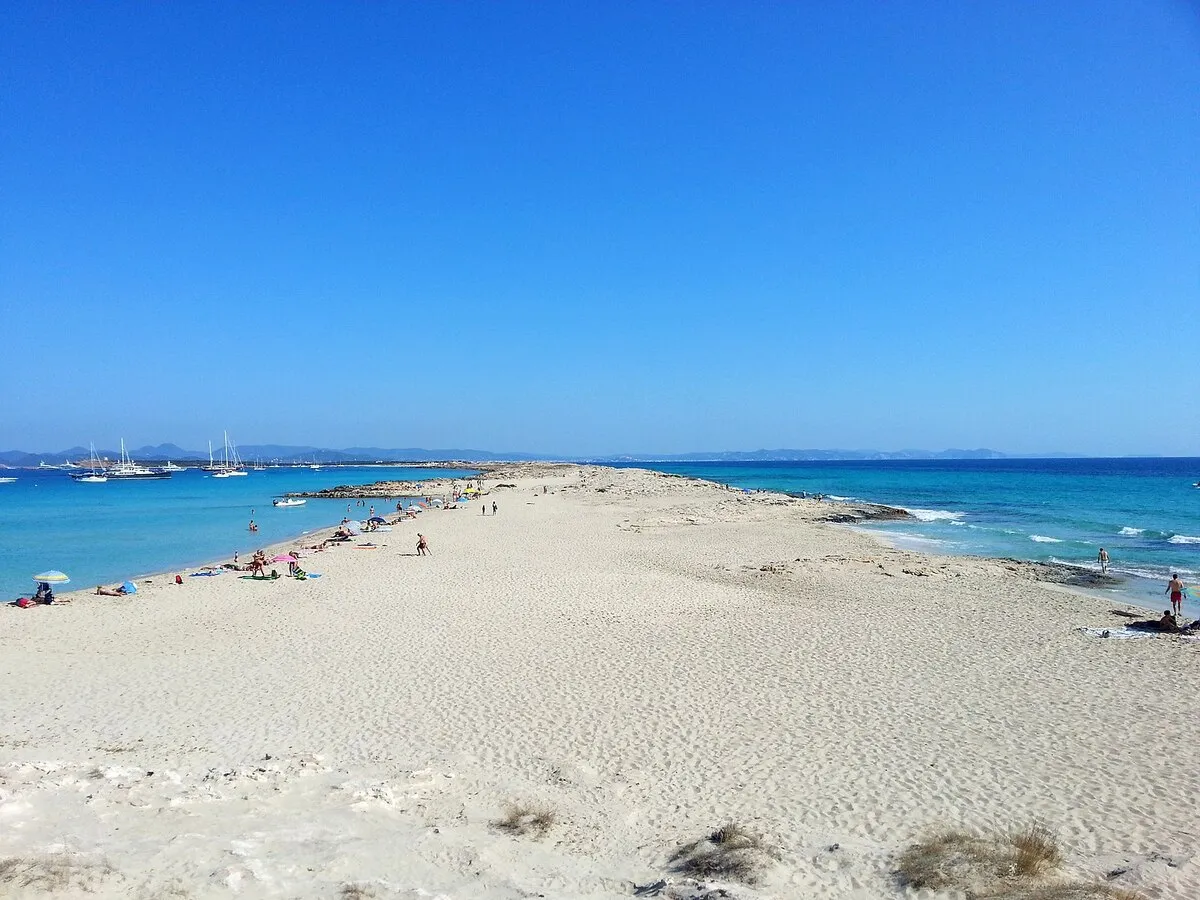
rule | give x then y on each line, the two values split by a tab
53	872
353	890
731	852
521	819
1016	865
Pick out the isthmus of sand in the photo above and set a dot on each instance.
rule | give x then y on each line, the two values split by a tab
614	665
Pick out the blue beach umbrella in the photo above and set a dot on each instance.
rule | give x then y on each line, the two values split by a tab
52	577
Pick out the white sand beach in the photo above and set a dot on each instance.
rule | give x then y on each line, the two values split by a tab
647	657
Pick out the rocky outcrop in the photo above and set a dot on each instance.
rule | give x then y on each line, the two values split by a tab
857	513
1061	573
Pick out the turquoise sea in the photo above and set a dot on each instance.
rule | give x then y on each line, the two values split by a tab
107	533
1145	512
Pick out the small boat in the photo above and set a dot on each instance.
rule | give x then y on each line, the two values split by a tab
95	474
7	480
289	501
171	467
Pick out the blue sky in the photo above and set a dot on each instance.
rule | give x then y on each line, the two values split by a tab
588	228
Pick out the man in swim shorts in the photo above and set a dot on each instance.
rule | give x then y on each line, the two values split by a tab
1102	558
1175	589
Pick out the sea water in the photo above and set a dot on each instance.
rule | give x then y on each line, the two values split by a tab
107	533
1144	512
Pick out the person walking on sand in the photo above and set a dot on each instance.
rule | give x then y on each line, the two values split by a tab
1102	558
1175	589
494	507
423	546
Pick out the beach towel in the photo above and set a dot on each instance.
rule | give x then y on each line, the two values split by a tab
203	574
130	587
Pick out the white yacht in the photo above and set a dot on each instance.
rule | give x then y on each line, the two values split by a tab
171	467
128	470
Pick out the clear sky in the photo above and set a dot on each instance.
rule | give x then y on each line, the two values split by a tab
602	227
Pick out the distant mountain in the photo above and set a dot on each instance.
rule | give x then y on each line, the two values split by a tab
284	453
268	453
800	455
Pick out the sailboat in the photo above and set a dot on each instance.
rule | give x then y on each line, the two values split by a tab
127	469
94	474
228	466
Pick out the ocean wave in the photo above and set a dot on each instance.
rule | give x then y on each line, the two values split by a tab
1131	532
934	515
1042	539
839	499
1183	539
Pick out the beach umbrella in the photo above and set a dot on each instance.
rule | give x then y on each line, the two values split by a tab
353	527
52	577
284	557
377	520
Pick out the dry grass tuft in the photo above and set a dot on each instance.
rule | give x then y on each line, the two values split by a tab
730	852
943	859
1019	865
1036	851
355	891
54	872
521	819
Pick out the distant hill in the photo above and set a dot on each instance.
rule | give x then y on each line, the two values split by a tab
283	453
267	453
799	455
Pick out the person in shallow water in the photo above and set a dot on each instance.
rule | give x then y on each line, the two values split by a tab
1102	558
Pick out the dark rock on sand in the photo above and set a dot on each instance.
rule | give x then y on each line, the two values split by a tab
1061	573
850	514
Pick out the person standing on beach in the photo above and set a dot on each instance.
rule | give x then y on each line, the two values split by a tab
494	507
1175	589
1102	558
422	545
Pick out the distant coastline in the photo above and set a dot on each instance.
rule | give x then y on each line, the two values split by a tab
281	454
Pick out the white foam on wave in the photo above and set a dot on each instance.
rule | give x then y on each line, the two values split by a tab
1131	532
1042	539
1183	539
934	515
